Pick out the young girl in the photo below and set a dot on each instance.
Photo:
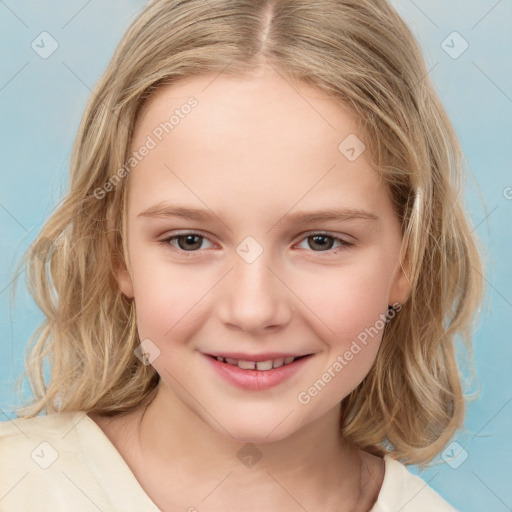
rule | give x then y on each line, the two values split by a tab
253	287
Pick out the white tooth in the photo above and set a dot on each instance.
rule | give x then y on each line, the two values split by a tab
231	361
247	365
220	358
278	362
264	365
288	360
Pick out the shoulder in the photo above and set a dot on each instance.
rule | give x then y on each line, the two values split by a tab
50	427
26	443
48	462
47	424
36	454
21	434
401	490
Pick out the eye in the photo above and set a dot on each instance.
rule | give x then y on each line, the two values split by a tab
323	242
191	242
185	242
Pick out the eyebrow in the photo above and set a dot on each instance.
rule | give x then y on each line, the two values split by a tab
163	210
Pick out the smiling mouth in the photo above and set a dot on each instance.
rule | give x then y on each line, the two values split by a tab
270	364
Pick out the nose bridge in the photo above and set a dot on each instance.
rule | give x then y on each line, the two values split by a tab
255	297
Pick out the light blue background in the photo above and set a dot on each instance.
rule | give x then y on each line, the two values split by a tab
41	104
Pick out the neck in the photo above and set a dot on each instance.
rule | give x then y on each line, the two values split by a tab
315	467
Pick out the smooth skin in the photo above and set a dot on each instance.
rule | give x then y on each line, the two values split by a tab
253	153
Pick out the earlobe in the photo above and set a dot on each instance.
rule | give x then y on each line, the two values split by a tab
125	282
401	288
121	273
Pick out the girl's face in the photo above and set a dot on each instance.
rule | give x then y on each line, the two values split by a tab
257	230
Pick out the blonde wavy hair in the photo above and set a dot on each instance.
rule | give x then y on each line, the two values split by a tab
363	55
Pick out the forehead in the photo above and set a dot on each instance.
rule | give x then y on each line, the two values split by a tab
266	137
244	105
273	84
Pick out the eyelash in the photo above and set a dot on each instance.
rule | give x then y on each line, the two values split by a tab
167	242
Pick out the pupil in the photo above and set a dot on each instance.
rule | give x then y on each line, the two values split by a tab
323	242
323	245
189	244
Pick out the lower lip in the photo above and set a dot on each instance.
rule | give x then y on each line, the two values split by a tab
256	380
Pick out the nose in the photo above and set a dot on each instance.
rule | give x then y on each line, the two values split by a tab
255	296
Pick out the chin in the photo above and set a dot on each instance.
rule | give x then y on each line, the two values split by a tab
256	428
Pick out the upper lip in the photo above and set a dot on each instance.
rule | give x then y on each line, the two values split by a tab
266	356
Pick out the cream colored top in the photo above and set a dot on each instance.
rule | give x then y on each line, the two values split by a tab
65	462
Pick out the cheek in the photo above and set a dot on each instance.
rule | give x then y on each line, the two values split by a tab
349	307
167	295
347	300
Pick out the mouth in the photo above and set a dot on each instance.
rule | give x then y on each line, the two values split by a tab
261	362
257	372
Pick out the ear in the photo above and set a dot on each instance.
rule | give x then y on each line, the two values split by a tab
124	281
121	273
401	285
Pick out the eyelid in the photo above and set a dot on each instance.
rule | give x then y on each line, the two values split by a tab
345	244
166	240
348	239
